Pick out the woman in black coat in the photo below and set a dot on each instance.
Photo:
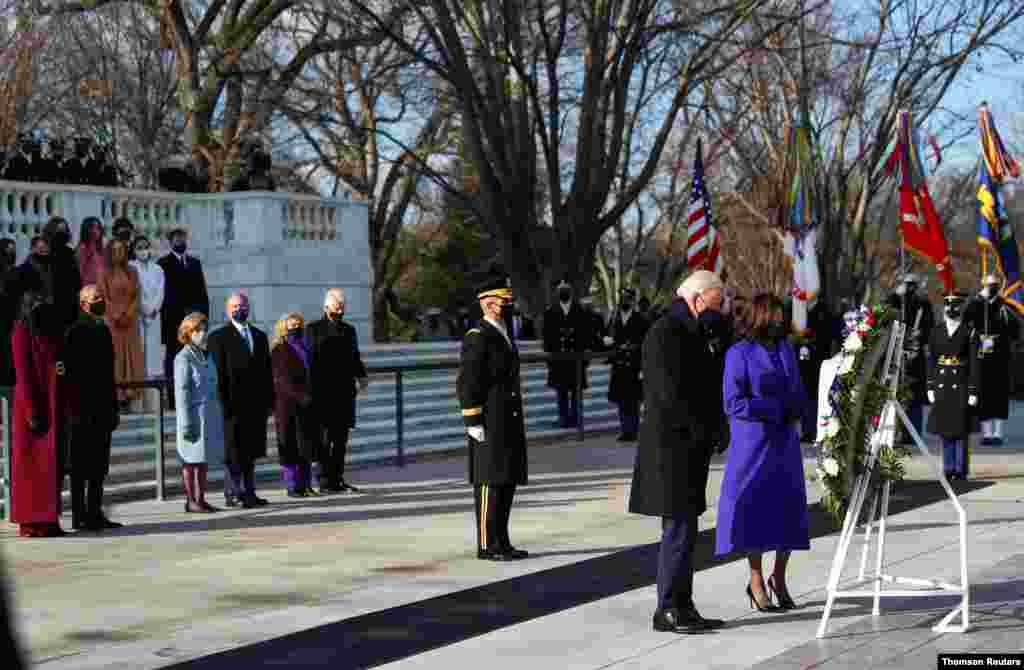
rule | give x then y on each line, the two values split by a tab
298	430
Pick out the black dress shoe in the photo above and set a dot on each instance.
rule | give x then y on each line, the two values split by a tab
232	501
296	494
493	555
690	613
102	523
260	502
348	488
673	621
249	502
515	554
997	441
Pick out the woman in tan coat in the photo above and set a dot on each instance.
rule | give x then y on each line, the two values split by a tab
119	282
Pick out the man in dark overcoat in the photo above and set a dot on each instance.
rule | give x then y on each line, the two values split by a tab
184	293
492	407
681	382
997	327
567	329
916	313
338	374
89	362
245	385
823	341
953	385
626	332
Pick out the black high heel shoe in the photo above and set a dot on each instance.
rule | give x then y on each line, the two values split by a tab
756	604
785	600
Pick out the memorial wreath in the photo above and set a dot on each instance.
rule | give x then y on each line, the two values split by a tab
856	399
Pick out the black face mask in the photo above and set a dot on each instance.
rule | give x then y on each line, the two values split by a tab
564	294
295	332
60	238
954	312
507	312
98	308
627	306
179	246
42	259
336	316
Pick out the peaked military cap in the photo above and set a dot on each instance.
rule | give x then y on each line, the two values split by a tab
495	287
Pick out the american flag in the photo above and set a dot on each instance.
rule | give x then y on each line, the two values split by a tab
703	250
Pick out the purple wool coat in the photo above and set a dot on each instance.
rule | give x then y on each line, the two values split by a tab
763	504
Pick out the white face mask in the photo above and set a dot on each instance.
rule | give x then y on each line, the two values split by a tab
988	291
199	339
142	254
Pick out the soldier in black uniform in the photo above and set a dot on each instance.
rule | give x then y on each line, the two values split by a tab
997	328
917	314
626	332
953	385
567	328
492	407
824	342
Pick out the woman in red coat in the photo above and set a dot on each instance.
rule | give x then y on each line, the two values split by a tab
38	454
298	430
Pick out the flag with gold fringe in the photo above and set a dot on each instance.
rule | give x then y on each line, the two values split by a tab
995	232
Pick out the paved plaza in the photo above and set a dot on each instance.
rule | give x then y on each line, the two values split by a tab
389	579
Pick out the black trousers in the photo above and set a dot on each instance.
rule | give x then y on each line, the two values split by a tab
169	355
332	460
239	480
493	508
90	462
86	499
675	561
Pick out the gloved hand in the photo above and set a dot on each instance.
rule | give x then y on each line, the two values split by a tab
972	400
476	432
931	397
608	341
191	433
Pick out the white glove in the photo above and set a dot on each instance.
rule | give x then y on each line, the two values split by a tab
931	397
972	400
476	432
608	341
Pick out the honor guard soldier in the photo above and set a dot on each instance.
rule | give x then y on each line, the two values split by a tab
492	407
627	330
997	327
567	329
953	385
916	314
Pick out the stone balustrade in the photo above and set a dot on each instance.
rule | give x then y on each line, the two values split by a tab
284	248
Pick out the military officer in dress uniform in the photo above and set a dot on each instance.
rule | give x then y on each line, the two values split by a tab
953	385
567	329
916	314
492	407
626	332
997	328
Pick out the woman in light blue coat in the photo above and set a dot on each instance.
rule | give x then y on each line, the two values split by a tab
200	417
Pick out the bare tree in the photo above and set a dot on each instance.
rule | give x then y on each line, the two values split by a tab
592	89
848	70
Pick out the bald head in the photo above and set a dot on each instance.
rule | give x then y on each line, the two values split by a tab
702	290
334	303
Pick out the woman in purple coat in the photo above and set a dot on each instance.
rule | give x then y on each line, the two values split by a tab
763	505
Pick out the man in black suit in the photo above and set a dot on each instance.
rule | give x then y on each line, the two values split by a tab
184	293
338	373
567	329
245	385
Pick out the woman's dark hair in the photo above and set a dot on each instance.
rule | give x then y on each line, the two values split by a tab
39	322
141	238
758	314
88	224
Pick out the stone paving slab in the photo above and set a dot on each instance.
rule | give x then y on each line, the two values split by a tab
172	587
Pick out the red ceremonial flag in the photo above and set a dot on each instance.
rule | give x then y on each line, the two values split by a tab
920	227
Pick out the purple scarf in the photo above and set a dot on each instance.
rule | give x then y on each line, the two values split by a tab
298	345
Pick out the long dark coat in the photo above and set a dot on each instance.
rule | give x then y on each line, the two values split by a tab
245	384
335	365
8	315
682	389
92	396
566	333
953	376
58	281
994	319
628	342
918	312
37	460
184	293
298	430
490	395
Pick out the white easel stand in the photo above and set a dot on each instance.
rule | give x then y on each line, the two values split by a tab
887	432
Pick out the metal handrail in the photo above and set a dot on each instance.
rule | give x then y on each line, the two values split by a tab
398	370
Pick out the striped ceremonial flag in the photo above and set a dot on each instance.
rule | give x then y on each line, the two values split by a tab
703	247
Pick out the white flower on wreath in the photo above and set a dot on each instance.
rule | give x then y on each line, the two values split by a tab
819	474
830	466
853	341
832	427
